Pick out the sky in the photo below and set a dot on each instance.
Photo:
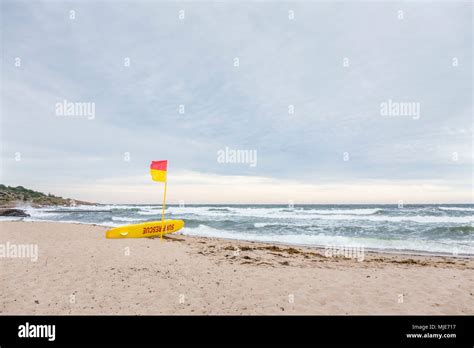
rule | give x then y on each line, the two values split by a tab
299	87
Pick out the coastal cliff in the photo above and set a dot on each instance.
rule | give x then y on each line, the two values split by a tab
11	197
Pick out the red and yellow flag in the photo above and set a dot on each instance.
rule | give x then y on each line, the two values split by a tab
158	170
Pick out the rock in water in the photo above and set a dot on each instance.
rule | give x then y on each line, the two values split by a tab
13	212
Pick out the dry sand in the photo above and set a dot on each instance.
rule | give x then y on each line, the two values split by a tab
78	271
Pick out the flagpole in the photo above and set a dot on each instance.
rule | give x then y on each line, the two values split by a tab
163	212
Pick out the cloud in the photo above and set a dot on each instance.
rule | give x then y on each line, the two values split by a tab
282	63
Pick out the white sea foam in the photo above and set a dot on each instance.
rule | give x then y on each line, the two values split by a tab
150	212
38	213
123	218
456	208
104	224
297	212
11	218
364	211
282	213
203	211
277	213
262	224
77	207
441	246
100	207
416	218
273	212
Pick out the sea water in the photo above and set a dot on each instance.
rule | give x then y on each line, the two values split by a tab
444	228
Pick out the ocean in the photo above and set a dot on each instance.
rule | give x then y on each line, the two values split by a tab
446	229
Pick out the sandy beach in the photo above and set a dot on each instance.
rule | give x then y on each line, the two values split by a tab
78	271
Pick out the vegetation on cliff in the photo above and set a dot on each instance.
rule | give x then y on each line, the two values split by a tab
13	196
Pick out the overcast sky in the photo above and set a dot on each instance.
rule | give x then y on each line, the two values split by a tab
337	146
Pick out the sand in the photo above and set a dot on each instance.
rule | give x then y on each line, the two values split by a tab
78	271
